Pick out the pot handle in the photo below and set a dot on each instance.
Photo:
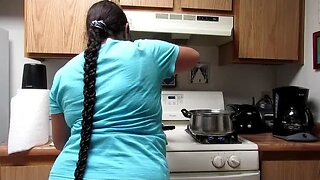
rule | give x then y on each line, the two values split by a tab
186	113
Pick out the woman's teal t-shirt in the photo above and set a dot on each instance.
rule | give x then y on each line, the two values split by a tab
127	140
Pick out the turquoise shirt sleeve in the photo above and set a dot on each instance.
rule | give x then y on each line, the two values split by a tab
165	55
55	107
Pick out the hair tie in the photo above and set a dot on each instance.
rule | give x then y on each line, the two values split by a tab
99	24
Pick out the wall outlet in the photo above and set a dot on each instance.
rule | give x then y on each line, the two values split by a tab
200	74
169	82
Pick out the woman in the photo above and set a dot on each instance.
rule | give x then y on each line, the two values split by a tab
116	84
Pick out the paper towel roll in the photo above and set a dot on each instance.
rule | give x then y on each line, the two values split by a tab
29	120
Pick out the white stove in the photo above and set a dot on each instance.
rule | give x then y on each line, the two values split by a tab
190	160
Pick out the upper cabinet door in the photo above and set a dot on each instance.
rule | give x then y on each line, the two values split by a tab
269	29
55	27
225	5
147	3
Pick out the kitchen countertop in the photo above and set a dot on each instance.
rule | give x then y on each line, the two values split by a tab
45	154
45	150
272	148
266	142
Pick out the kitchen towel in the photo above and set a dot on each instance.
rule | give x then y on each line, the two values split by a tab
29	120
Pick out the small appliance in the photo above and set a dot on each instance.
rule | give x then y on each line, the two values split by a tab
293	120
265	107
246	119
34	76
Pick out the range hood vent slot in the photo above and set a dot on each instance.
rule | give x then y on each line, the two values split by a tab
162	16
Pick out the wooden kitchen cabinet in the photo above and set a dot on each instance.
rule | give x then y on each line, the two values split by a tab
34	164
147	3
32	172
268	31
225	5
290	170
180	5
55	28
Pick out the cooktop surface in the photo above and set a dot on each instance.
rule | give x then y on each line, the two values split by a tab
179	139
229	138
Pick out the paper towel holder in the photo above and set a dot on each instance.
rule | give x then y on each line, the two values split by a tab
34	76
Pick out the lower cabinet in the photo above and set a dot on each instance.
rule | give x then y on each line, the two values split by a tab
290	170
30	172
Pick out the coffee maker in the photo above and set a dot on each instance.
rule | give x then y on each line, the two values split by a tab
293	120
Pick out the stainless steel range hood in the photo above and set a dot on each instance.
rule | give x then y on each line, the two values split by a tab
149	24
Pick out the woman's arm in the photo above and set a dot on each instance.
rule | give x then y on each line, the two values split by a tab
187	58
60	130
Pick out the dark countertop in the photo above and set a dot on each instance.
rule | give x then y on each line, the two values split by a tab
266	142
272	148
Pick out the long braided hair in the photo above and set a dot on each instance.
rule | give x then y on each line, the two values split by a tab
104	19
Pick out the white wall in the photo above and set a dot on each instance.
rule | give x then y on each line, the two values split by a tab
238	82
305	76
11	19
4	85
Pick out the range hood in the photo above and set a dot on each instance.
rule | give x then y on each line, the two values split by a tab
179	26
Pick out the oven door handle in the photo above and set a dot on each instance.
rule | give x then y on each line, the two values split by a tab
254	175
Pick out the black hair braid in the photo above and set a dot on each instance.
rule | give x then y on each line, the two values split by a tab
89	92
113	24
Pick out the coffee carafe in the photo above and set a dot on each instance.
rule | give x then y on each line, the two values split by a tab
293	120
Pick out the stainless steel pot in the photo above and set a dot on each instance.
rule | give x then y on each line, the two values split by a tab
209	121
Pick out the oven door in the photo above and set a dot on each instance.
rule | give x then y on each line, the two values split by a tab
246	175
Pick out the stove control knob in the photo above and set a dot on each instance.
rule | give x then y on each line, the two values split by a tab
234	161
218	162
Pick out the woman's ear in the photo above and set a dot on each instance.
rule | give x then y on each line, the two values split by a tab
127	32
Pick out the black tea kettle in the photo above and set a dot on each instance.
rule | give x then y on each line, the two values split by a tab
246	119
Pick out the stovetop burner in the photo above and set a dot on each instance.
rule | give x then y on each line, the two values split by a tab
230	138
